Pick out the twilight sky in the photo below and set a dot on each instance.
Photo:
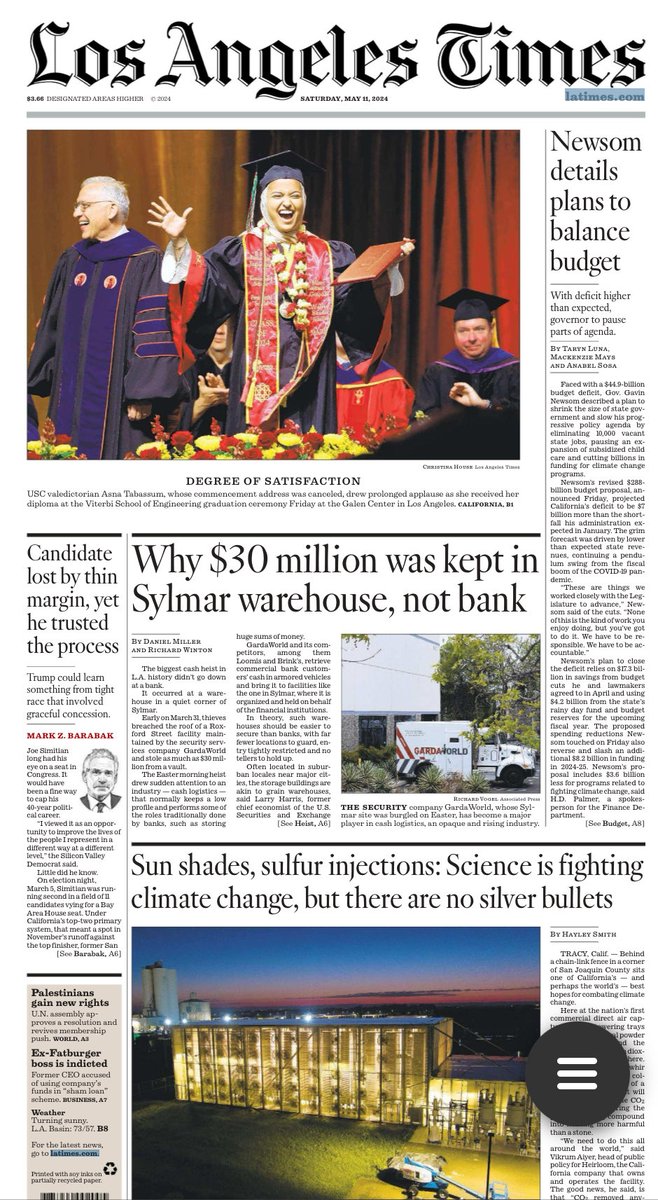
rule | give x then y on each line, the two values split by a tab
334	966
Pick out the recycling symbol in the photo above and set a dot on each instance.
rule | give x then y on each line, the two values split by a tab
110	1168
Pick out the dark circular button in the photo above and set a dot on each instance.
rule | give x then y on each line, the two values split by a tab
577	1073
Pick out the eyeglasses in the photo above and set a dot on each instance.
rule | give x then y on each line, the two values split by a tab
83	205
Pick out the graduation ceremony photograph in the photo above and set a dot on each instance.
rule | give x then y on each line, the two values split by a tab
253	294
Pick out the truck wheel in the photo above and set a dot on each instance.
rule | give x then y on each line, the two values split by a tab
512	776
421	769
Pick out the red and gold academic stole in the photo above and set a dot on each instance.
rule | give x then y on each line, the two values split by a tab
262	393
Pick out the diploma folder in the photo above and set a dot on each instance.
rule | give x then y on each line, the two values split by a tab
371	264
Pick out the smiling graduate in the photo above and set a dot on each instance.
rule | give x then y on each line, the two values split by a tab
278	278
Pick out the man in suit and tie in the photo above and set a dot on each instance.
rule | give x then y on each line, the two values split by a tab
99	771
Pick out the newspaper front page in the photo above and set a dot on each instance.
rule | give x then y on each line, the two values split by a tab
330	860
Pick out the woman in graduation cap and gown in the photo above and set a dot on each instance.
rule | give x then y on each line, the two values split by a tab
476	373
279	280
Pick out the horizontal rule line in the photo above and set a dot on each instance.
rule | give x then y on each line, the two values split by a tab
309	536
347	845
353	109
76	535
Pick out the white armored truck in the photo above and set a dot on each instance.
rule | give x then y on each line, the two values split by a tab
445	744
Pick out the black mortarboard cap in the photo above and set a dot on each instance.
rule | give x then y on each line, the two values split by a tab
470	304
287	164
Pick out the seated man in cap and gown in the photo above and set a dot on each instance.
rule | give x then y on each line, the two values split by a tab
208	379
278	279
476	373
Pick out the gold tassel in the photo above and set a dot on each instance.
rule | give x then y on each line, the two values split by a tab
250	395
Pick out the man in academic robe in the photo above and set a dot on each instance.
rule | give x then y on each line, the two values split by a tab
477	373
383	402
103	350
279	281
99	771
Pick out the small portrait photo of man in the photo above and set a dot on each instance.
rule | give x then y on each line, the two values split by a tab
99	772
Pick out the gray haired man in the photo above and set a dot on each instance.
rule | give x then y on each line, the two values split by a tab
99	771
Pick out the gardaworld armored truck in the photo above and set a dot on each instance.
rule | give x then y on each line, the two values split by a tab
445	744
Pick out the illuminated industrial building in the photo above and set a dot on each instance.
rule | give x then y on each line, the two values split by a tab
470	1095
368	1069
396	1070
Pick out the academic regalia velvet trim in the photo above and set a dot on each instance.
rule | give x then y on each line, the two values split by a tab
493	360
